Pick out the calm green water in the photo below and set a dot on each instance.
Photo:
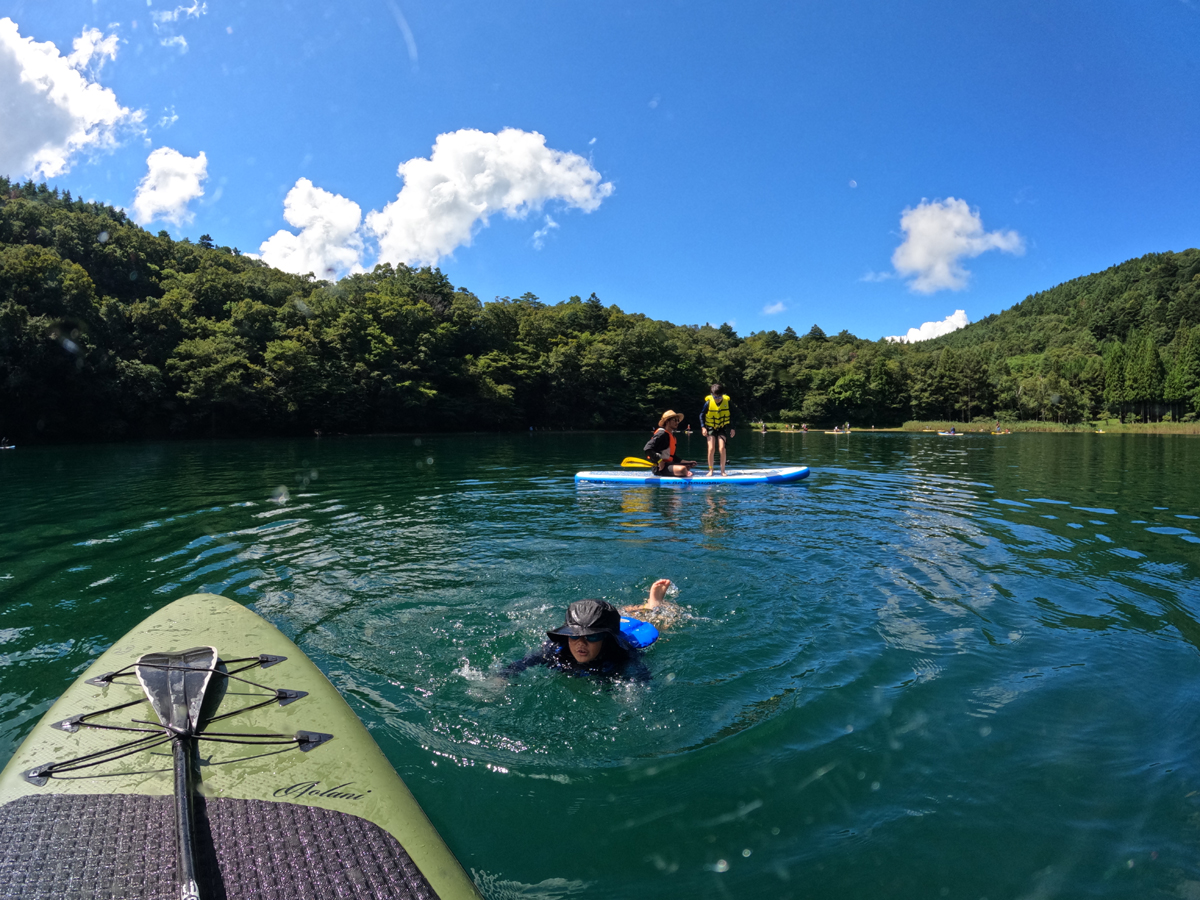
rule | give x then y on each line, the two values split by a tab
940	667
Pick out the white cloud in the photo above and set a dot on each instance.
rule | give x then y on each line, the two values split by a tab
329	242
539	236
164	23
470	176
92	44
195	11
772	309
938	236
409	41
51	111
174	181
956	320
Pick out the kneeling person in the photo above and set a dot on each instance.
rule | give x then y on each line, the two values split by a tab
660	449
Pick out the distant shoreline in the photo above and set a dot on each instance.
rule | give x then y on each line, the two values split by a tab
1105	427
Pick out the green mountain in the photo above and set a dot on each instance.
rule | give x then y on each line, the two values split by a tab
108	331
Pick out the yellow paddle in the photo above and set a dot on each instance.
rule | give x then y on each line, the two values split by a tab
636	462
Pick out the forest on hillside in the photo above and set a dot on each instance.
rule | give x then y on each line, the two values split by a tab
108	331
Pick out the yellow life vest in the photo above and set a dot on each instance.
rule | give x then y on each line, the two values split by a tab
717	415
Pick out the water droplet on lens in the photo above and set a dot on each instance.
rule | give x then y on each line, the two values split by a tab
102	237
721	866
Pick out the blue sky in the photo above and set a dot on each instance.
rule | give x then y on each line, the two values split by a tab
869	166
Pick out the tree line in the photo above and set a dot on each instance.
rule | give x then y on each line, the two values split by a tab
108	331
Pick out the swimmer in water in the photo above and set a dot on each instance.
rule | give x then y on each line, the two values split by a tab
589	642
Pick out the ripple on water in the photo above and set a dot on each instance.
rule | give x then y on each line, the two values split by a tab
895	662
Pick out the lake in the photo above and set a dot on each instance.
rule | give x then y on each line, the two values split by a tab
940	667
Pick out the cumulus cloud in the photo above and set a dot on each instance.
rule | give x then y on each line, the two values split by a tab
774	308
938	235
470	176
172	182
92	45
329	242
52	112
956	320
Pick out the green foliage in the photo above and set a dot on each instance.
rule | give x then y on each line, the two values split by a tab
109	331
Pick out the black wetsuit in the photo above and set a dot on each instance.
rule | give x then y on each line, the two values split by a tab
617	660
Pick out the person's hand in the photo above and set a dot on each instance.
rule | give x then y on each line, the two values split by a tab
733	432
704	432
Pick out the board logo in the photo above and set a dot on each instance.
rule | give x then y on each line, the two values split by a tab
313	789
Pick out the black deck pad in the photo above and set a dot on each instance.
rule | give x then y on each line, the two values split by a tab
119	846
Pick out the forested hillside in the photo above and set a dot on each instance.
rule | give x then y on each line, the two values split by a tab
108	331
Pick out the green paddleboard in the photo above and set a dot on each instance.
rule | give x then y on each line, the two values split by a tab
294	797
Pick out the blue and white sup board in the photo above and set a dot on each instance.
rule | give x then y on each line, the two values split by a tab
731	476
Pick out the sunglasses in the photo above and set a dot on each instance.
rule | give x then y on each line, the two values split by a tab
590	638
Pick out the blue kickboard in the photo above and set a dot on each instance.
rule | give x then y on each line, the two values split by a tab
639	633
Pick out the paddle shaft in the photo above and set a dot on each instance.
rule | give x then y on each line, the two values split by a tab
185	817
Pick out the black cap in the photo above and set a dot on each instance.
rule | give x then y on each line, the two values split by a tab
586	617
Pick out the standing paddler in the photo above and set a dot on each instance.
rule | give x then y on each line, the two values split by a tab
716	424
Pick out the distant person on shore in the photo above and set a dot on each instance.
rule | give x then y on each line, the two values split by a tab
660	449
589	642
716	424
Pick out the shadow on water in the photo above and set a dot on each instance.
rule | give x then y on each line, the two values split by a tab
936	668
